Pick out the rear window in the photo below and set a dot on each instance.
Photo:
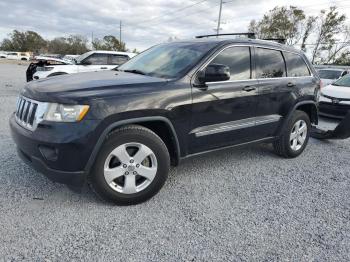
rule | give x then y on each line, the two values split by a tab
296	66
118	59
270	63
329	74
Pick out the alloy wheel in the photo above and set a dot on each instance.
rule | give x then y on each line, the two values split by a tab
130	168
298	135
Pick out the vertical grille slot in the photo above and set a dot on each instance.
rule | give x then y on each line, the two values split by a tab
25	112
32	114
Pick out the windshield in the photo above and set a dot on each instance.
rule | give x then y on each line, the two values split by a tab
170	60
344	81
329	74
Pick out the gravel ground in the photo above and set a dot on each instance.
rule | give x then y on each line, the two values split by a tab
243	204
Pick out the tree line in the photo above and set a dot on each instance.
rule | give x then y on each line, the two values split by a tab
73	44
325	36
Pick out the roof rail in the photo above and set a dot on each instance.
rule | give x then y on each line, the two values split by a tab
249	35
278	40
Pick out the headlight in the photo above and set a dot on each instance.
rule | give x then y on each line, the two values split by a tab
65	113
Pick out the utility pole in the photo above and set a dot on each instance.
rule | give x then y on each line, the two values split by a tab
219	20
120	31
92	40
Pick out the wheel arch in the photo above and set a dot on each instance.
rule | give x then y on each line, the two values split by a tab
160	125
57	74
308	106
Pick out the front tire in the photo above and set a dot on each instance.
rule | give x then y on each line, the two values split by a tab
131	167
295	137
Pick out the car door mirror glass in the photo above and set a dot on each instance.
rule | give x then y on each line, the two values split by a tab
214	73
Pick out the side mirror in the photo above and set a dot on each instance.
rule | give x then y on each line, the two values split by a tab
214	73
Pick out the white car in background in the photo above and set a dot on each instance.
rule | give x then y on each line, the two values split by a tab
17	56
335	98
89	62
329	75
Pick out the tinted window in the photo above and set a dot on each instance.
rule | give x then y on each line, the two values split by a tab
329	74
237	59
270	63
96	59
295	65
118	59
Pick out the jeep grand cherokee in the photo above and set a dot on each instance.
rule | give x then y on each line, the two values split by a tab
121	130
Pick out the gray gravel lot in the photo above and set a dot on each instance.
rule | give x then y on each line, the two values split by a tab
242	204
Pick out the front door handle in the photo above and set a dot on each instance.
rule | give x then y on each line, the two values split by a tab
249	88
290	84
103	67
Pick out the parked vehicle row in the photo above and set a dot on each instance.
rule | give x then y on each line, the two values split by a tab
120	130
89	62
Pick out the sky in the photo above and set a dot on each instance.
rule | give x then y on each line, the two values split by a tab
144	22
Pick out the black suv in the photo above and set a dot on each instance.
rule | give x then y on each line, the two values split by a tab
120	130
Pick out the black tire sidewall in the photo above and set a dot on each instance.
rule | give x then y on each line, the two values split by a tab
299	115
133	135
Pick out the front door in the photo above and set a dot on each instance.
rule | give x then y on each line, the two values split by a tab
95	62
224	113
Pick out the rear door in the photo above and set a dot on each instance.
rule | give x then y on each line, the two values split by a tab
275	91
115	60
223	114
94	62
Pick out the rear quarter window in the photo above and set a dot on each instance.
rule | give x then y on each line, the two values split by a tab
270	63
296	66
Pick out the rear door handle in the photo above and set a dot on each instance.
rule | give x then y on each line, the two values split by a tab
249	88
290	84
103	67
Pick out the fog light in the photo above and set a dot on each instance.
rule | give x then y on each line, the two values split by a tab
49	153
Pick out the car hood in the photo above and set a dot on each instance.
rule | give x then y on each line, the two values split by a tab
336	91
92	85
45	58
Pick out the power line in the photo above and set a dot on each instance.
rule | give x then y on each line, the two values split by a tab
173	12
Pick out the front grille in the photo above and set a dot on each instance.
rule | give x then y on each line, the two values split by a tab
27	112
339	110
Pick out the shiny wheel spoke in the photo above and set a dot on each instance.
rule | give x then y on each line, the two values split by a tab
147	172
294	144
121	153
142	153
302	129
293	136
130	184
113	173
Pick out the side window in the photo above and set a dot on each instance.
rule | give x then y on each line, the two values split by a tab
270	63
295	65
118	59
237	59
96	59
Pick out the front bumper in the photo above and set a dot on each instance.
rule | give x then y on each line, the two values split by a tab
59	150
330	109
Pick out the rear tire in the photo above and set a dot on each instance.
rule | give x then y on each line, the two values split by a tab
295	137
131	167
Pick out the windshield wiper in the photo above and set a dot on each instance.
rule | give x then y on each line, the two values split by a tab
135	71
